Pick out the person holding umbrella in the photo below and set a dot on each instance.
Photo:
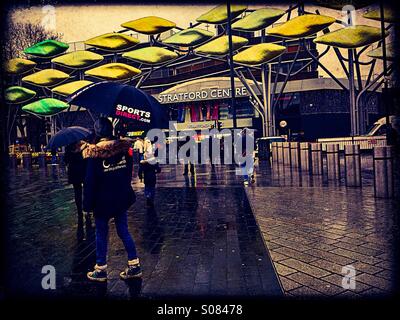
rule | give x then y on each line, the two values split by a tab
109	194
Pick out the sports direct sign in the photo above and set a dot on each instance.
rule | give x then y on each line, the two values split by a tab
132	113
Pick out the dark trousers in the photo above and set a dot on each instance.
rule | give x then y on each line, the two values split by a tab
186	169
78	200
121	224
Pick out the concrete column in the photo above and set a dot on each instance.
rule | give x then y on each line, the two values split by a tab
305	156
383	172
12	160
352	165
280	151
333	161
286	153
274	151
27	160
42	159
316	158
295	154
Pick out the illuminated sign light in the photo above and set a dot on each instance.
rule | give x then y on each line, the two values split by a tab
132	113
204	94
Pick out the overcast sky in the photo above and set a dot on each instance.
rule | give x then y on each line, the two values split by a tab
79	23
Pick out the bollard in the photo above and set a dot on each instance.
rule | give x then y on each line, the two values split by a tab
286	153
42	159
333	161
316	158
26	160
279	146
305	156
12	160
352	164
383	172
295	154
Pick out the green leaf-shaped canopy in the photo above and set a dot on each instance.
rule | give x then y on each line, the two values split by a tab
78	59
70	87
113	42
388	15
18	94
219	15
151	55
189	37
46	107
351	37
113	71
19	66
259	54
149	25
301	26
258	20
378	52
47	49
220	46
46	78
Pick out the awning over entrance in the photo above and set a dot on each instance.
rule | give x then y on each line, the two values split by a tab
204	89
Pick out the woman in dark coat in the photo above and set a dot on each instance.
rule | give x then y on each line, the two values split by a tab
76	168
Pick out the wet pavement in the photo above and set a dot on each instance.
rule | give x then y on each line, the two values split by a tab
201	241
289	233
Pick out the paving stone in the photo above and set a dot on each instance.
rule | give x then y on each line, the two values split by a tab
319	285
305	268
283	270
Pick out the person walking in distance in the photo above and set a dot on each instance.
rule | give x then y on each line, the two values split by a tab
148	170
109	194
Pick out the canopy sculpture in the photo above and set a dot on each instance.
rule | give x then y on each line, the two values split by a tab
113	72
47	49
17	94
259	54
78	59
149	25
189	37
351	37
151	55
113	42
70	87
339	4
219	15
378	52
301	26
258	20
46	107
46	78
220	46
388	15
19	66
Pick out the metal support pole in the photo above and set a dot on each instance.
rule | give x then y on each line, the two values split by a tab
352	98
266	93
229	32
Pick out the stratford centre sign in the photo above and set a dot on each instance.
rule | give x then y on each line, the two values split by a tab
200	95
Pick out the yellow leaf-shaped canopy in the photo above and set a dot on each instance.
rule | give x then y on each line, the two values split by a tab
113	71
18	94
301	26
388	15
70	87
46	78
259	54
149	25
220	46
113	42
189	37
150	55
351	37
219	15
46	107
19	66
78	59
378	52
259	19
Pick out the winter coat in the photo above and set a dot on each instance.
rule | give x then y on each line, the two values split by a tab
148	171
76	165
107	189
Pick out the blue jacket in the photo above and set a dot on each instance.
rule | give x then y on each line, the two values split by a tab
149	172
107	189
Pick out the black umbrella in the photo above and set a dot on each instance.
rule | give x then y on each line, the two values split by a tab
122	101
68	136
